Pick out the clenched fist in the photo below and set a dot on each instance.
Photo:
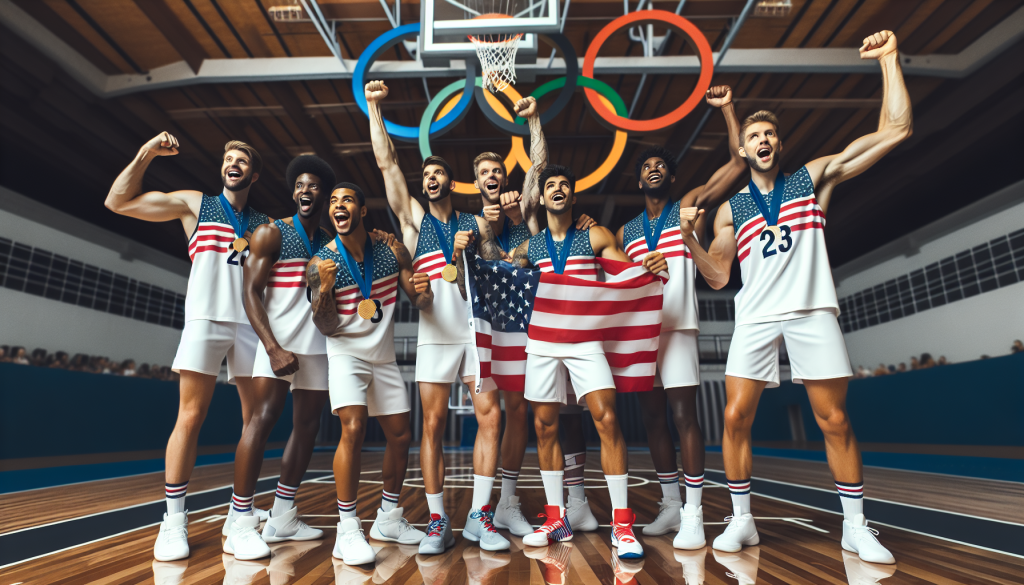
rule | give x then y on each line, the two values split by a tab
375	91
421	282
492	212
510	202
655	262
878	45
688	220
718	96
328	270
462	241
164	144
283	362
525	107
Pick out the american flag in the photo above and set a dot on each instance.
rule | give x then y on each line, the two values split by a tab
511	305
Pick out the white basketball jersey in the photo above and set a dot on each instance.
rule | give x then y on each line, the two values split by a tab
215	282
679	312
287	298
789	276
446	321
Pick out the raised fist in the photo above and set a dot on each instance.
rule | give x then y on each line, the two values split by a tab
525	107
492	212
375	91
510	201
162	145
878	45
718	96
688	220
421	282
328	270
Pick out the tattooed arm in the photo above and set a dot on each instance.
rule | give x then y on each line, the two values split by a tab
521	257
320	276
488	247
415	284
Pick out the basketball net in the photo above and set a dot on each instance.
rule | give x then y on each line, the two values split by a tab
497	54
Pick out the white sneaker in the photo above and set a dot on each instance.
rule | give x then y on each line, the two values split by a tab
351	545
509	516
173	572
172	540
667	519
480	529
244	541
859	572
287	526
858	538
580	517
623	537
392	527
742	565
232	514
439	536
263	515
739	533
693	565
691	528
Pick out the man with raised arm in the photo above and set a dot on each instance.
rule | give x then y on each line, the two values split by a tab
776	228
217	228
354	282
678	381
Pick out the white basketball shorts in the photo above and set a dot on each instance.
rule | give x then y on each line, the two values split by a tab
678	360
204	345
815	346
446	364
379	387
312	374
546	379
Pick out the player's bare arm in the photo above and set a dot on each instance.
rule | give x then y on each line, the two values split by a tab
488	247
320	275
530	202
415	284
895	124
264	251
521	257
715	264
127	198
719	186
408	211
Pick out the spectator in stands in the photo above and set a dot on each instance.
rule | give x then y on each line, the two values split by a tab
881	370
862	372
3	354
984	356
942	361
79	363
61	361
913	363
892	369
1018	346
902	367
18	357
128	368
926	361
143	371
38	357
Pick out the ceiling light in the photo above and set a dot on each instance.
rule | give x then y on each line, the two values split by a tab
292	13
773	8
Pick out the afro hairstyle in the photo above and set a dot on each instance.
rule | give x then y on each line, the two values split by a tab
312	164
656	151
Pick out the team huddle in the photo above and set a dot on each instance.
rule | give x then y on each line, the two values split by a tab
295	308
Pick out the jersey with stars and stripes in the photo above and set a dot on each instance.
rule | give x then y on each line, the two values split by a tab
215	282
679	312
580	262
371	340
447	320
287	296
789	276
517	234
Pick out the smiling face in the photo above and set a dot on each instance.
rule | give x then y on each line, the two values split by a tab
490	180
236	170
345	211
308	194
761	146
436	183
558	197
654	176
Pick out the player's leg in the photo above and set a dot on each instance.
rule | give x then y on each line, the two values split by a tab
663	454
683	405
434	401
241	358
479	523
742	396
508	514
574	451
351	545
196	392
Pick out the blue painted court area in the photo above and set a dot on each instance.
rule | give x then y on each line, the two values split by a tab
982	467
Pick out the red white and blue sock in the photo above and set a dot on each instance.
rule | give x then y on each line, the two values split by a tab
739	490
851	495
241	505
509	478
388	500
347	509
284	499
694	488
670	486
175	495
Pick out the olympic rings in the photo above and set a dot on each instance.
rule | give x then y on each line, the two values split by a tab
640	17
374	50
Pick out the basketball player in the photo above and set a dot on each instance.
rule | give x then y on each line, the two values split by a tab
776	225
217	228
354	282
561	249
291	354
678	378
445	352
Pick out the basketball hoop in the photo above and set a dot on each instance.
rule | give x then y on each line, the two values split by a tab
497	54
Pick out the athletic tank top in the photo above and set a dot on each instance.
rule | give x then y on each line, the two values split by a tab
287	296
517	234
446	321
215	282
679	313
371	340
789	276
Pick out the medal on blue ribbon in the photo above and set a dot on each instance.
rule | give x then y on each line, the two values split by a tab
502	238
311	248
450	272
367	308
653	238
240	243
770	209
558	259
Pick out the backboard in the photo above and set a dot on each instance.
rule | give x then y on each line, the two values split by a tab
446	24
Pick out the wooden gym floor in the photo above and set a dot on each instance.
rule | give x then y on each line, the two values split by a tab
107	527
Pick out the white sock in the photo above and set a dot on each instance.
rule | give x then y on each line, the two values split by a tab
740	492
694	488
347	509
175	495
574	463
284	499
553	487
617	490
509	478
670	486
851	495
435	503
388	500
241	505
482	486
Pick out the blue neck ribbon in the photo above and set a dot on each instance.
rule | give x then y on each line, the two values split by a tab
238	226
770	210
365	280
558	260
653	238
447	244
310	247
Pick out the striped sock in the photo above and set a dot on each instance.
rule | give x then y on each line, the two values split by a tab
347	509
509	478
670	486
739	489
284	499
241	504
694	488
851	495
574	465
175	495
388	500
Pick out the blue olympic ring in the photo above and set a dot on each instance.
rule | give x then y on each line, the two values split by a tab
408	133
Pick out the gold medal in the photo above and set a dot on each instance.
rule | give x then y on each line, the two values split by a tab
450	272
367	309
774	229
240	245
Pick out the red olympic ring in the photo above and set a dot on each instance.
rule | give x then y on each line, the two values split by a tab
643	17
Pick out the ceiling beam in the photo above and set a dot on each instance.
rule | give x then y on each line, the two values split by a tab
175	31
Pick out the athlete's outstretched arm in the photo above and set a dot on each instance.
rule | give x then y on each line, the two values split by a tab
320	275
719	186
264	251
408	210
895	124
527	108
715	263
126	196
415	284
